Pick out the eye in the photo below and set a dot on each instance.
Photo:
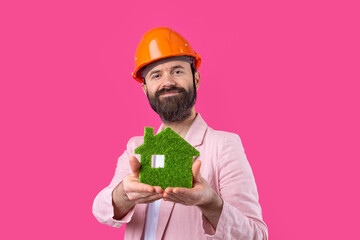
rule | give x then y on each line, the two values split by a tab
177	72
155	76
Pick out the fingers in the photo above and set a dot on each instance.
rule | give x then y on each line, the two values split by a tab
158	189
169	189
183	196
175	198
196	170
142	193
149	199
135	166
179	190
138	187
144	197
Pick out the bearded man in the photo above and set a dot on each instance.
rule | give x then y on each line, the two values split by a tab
223	202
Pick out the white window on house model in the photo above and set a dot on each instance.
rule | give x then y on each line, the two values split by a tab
157	161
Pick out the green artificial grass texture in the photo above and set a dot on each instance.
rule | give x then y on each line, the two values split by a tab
179	156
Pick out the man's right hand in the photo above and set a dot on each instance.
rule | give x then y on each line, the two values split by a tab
130	192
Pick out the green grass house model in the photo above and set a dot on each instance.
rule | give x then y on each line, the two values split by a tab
166	159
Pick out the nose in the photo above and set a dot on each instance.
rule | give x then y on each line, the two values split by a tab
168	81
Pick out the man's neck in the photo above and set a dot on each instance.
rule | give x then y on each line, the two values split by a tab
182	127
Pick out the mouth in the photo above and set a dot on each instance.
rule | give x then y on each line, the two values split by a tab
169	93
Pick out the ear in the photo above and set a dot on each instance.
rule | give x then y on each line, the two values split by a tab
143	85
197	79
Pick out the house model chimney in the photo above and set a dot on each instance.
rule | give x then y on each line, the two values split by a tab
148	134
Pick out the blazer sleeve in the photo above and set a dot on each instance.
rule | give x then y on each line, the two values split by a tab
102	207
241	216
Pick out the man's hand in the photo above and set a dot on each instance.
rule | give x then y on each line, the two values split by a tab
139	192
130	192
201	195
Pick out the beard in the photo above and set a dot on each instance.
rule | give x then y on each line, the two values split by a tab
175	108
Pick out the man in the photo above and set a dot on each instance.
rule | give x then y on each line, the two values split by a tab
223	203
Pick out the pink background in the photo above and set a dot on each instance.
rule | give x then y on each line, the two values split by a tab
284	75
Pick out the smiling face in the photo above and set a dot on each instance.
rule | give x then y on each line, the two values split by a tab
170	89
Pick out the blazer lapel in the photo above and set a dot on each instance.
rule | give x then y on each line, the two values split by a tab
196	133
164	216
134	229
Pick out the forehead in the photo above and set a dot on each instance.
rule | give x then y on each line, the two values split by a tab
164	64
169	64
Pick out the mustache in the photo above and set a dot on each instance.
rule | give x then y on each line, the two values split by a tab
171	89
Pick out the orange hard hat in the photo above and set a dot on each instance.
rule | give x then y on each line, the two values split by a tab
159	43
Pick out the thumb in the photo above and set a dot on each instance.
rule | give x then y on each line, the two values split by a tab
196	170
135	166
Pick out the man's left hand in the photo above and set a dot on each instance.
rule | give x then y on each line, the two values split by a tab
201	195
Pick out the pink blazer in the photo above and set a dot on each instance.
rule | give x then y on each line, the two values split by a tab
227	170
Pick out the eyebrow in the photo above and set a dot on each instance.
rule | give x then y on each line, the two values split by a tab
172	68
177	66
153	72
